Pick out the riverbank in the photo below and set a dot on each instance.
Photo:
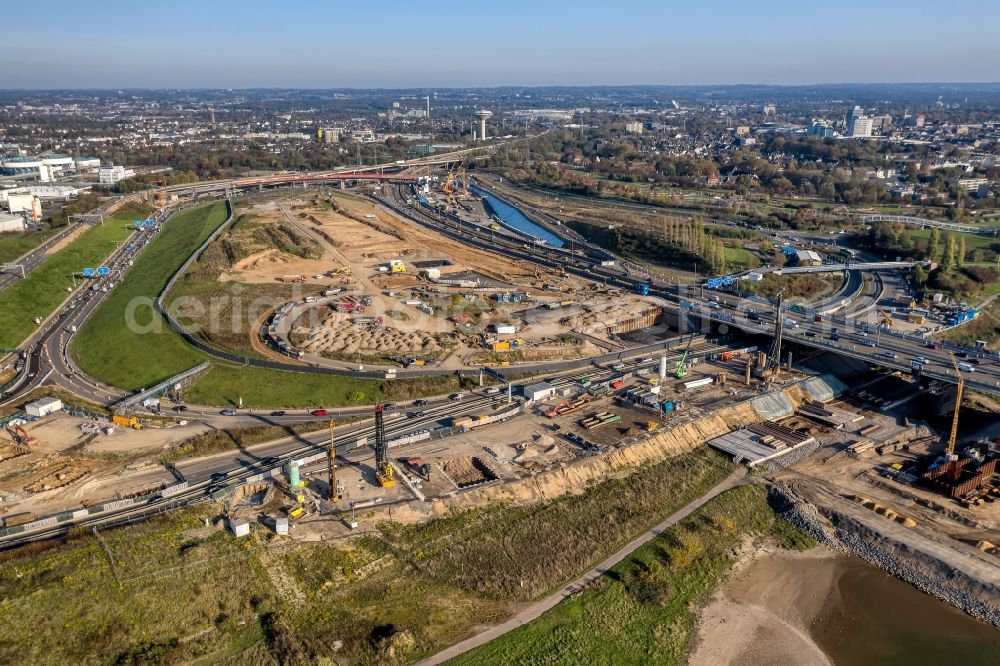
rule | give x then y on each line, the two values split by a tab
822	607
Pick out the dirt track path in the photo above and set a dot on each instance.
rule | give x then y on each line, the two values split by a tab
534	610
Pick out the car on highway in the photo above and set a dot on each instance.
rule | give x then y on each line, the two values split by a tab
419	403
389	406
920	360
810	334
318	412
180	408
870	342
456	396
270	460
278	412
493	390
228	412
890	355
932	345
219	476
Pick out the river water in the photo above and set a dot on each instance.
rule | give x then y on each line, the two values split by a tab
872	618
515	219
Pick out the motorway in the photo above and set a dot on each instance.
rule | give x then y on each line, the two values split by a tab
31	259
238	465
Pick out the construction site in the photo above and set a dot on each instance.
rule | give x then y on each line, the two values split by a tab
377	290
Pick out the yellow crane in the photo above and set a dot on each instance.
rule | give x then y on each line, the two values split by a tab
336	486
950	449
886	319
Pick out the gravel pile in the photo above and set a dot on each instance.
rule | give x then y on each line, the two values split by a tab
851	538
790	459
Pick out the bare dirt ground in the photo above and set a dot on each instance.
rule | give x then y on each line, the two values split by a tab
66	241
67	465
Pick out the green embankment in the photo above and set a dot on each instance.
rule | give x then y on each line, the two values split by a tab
131	357
13	245
643	610
115	352
171	591
45	287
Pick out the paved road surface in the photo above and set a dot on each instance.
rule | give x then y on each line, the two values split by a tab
536	609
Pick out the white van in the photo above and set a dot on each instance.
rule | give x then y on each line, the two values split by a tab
791	323
966	367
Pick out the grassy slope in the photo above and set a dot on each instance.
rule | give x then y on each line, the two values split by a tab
643	611
244	600
14	245
107	349
45	287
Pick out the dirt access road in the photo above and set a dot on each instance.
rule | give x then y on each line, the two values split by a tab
535	610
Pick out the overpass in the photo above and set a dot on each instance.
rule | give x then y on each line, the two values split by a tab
937	224
857	266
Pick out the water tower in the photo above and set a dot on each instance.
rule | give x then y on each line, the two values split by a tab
483	117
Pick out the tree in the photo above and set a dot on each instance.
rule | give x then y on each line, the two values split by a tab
960	259
933	244
919	275
948	260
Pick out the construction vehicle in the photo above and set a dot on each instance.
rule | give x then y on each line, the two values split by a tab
680	372
383	469
336	485
396	266
22	436
949	450
886	319
651	426
127	421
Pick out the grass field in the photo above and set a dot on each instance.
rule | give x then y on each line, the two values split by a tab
45	287
108	349
643	610
14	245
972	241
170	591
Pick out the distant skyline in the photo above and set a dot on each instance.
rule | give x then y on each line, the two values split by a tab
399	44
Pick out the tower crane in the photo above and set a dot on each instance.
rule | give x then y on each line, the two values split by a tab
950	448
383	470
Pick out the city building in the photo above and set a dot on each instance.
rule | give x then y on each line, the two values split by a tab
743	130
24	168
109	174
87	163
820	130
9	223
633	128
859	126
27	204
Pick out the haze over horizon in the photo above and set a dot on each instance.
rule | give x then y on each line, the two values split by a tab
307	44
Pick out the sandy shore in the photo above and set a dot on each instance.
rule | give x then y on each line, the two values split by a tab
761	614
